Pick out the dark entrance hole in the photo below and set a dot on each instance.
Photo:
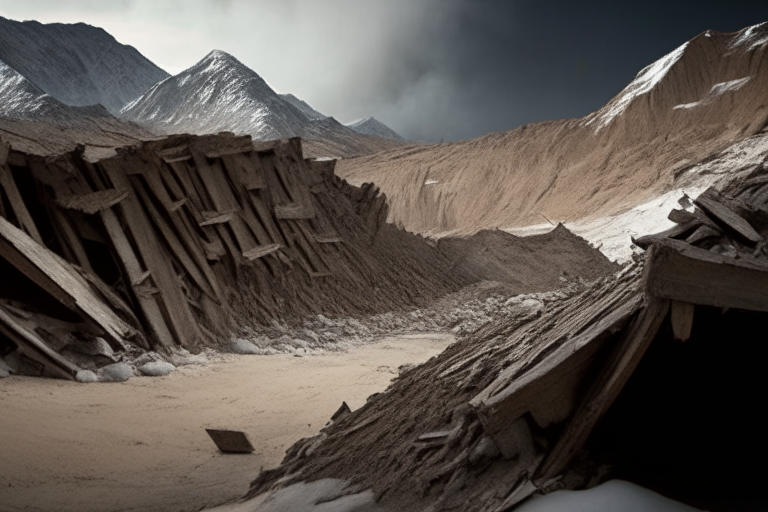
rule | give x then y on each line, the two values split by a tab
691	422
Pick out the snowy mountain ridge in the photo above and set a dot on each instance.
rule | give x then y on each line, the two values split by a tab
372	126
219	93
77	64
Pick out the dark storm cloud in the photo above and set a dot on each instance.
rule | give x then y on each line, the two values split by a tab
496	65
430	69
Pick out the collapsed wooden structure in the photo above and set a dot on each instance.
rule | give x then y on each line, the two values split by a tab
507	412
165	243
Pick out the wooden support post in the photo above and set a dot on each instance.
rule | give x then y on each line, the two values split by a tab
606	387
17	204
681	315
678	271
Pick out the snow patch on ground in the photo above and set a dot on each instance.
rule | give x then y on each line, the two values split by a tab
612	234
643	83
431	182
715	91
753	36
613	495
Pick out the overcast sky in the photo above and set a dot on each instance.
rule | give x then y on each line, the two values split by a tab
430	69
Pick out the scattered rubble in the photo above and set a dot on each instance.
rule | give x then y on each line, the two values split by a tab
164	249
508	411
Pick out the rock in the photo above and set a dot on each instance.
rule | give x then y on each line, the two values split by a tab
241	346
86	376
5	369
145	358
156	368
93	347
118	372
184	358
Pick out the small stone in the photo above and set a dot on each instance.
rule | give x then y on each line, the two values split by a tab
156	369
118	372
241	346
86	376
5	369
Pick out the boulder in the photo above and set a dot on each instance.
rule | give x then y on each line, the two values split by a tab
156	368
86	376
118	372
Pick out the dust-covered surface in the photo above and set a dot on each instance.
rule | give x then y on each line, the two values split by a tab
528	264
141	445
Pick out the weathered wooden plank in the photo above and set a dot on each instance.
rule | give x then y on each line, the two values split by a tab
681	315
5	148
133	269
211	218
17	204
71	237
25	338
674	231
548	390
328	238
702	233
709	202
179	316
183	229
678	271
64	276
261	251
212	175
175	245
606	387
684	217
93	202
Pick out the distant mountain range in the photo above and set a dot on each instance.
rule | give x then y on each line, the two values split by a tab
48	73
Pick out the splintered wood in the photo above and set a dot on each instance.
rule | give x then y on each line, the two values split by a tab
175	242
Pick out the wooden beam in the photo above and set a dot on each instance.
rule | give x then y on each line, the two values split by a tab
17	204
179	316
93	202
28	340
681	316
606	387
60	273
548	390
678	271
261	251
135	273
709	202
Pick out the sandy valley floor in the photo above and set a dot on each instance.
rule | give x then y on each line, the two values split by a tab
141	445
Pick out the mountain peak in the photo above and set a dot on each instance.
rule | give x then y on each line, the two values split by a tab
372	126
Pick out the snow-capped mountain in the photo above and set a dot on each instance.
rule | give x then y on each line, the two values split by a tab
312	114
374	127
22	100
76	63
219	93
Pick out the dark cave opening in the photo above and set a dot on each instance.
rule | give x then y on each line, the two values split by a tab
691	422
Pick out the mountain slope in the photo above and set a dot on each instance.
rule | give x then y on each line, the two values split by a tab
303	106
77	64
699	99
219	93
374	127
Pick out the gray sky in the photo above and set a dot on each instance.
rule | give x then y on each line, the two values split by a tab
430	69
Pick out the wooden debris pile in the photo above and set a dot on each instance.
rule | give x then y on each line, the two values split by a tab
506	412
171	242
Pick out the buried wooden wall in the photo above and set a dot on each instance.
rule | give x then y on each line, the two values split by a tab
150	245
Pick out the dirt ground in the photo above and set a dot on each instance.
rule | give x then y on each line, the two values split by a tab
141	445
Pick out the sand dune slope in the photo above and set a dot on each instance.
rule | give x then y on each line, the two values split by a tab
702	97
